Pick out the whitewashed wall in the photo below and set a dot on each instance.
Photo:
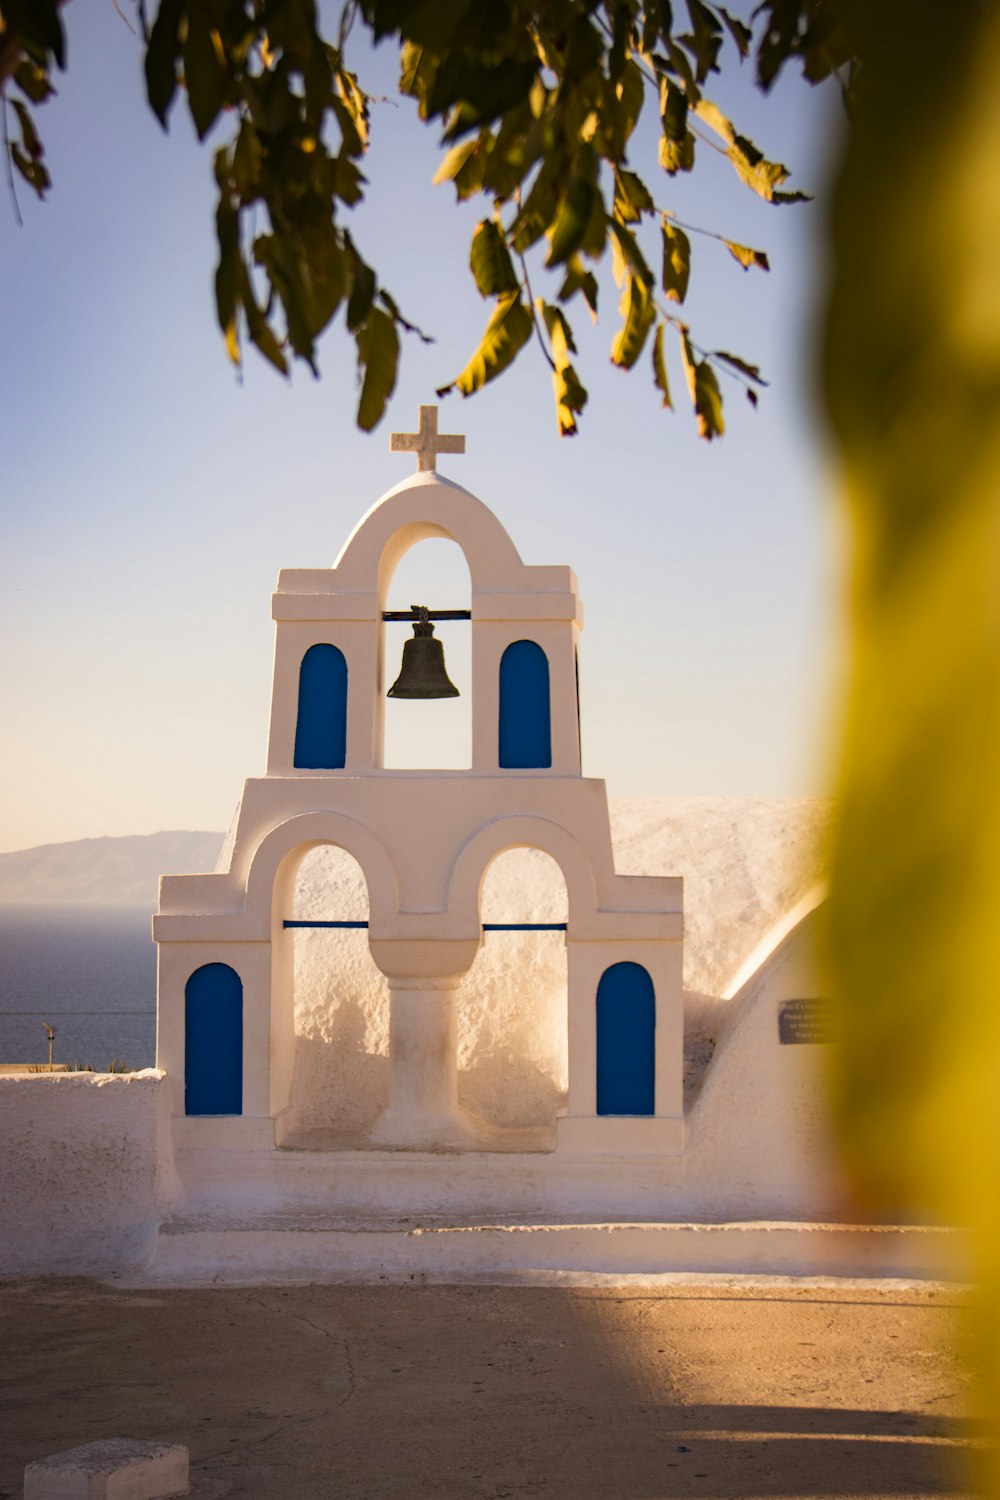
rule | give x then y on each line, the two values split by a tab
85	1170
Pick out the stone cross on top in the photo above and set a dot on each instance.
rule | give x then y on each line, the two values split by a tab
426	442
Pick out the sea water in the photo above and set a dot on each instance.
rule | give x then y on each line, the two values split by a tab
88	971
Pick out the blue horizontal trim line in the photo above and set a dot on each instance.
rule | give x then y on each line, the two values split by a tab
324	924
524	926
487	927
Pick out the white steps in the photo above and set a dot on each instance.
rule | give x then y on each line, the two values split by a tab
301	1245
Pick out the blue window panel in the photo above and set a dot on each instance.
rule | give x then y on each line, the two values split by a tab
213	1042
321	726
525	715
626	1041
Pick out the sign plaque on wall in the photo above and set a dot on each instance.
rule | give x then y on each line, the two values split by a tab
811	1020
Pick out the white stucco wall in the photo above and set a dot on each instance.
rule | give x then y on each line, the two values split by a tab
746	863
758	1132
85	1170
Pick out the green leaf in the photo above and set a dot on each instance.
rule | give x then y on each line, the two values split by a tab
754	169
460	163
704	40
361	295
355	101
483	89
162	55
327	276
397	317
539	207
746	256
676	261
676	62
578	279
260	330
674	108
656	22
29	135
508	158
378	358
751	371
703	388
618	106
712	116
348	181
32	171
36	26
282	260
569	227
631	255
660	367
708	402
490	261
632	197
228	273
676	149
558	328
507	332
571	396
677	156
796	197
431	25
247	160
740	33
639	313
205	72
33	80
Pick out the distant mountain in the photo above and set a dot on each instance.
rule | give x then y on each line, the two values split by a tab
104	872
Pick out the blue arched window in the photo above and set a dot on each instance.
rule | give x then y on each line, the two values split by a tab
525	714
213	1041
626	1041
321	726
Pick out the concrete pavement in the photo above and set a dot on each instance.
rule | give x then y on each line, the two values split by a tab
718	1389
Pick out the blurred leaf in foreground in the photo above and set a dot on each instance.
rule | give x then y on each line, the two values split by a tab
912	371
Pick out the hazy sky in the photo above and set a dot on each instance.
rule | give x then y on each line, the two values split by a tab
148	498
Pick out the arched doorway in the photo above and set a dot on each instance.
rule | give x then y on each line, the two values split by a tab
340	1003
512	1033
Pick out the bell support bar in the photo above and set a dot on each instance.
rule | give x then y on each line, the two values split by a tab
487	926
432	614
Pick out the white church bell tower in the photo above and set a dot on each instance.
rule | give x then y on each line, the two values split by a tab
424	840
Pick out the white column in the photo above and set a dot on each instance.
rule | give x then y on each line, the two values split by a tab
423	1113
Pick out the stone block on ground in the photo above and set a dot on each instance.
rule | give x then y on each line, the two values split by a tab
113	1469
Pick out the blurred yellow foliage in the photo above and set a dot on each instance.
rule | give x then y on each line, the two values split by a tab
912	378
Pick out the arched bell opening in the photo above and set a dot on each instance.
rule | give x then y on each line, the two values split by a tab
339	1000
433	733
512	1013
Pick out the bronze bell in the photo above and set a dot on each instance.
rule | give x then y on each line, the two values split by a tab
423	674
